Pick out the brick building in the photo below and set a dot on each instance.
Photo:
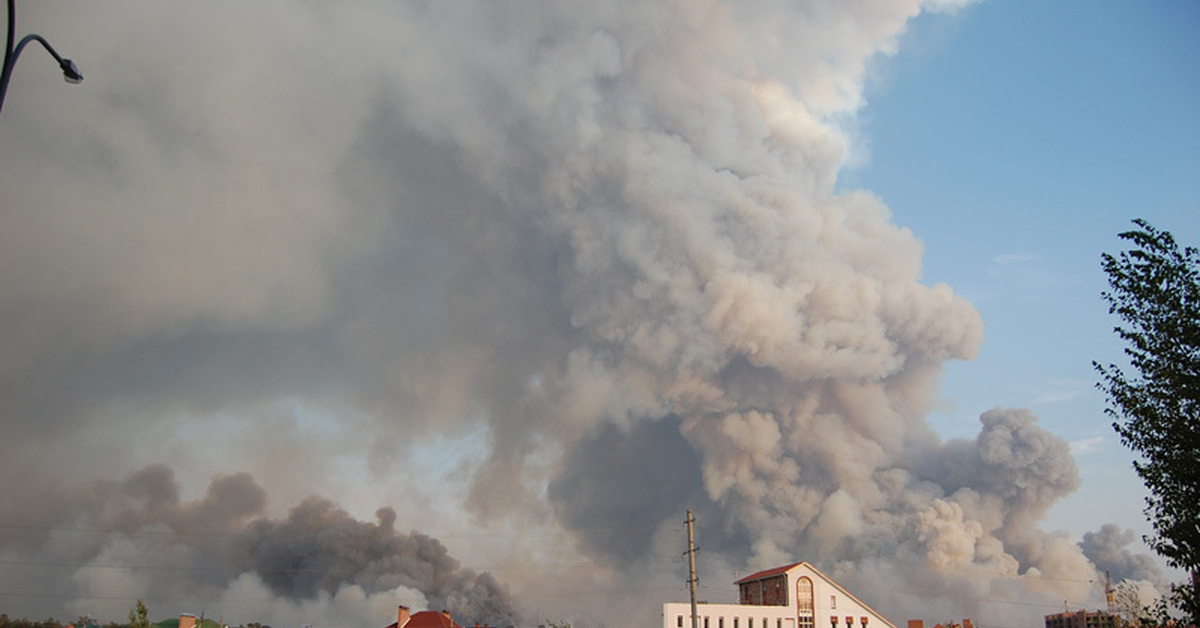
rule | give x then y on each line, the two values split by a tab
1083	619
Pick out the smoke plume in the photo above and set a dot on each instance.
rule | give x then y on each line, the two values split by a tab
135	539
1108	549
544	273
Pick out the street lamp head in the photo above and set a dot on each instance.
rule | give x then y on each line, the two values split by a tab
70	72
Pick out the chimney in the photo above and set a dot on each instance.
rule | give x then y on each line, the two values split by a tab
967	624
187	620
916	623
402	616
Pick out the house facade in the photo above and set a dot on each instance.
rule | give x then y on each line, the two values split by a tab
792	596
1082	619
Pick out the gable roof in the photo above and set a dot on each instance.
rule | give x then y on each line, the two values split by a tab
767	573
428	619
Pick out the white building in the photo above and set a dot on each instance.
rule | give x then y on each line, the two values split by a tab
793	596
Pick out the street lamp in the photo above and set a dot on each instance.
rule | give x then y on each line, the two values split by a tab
70	70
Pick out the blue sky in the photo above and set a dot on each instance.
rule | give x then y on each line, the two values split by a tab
1017	139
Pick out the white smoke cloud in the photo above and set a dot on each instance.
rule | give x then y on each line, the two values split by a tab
603	236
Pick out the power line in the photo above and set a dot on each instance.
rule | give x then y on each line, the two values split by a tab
170	568
586	593
448	535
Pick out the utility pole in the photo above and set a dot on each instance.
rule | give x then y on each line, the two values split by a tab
1108	592
692	579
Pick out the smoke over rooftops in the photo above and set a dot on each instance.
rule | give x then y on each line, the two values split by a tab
568	266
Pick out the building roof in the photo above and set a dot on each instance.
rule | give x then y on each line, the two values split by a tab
767	573
817	572
428	619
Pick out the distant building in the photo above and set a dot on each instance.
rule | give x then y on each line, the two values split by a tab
920	623
792	596
422	619
1083	619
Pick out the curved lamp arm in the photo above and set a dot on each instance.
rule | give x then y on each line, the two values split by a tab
70	71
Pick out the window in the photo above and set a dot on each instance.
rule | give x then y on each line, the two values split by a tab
735	622
778	623
679	621
804	603
706	621
833	601
720	622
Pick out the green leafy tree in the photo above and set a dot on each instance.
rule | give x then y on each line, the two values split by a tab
1155	291
138	616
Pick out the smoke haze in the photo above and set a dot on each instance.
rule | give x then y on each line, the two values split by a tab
135	539
533	277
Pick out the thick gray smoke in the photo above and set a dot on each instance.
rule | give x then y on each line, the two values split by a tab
1109	550
551	272
136	540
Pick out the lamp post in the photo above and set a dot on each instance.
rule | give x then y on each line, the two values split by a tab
70	70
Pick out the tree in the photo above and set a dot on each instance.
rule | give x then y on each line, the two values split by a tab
1155	291
1127	603
138	616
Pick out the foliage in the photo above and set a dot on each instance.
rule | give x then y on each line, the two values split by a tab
1155	291
7	622
1158	614
1127	602
138	616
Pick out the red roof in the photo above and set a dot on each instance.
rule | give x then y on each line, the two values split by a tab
428	619
775	571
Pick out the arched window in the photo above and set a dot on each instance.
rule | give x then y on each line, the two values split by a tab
804	602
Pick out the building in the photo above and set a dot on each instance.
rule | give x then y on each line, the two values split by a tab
422	619
792	596
920	623
1083	619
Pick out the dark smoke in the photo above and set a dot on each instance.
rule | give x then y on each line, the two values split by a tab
1109	550
320	548
196	551
615	477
